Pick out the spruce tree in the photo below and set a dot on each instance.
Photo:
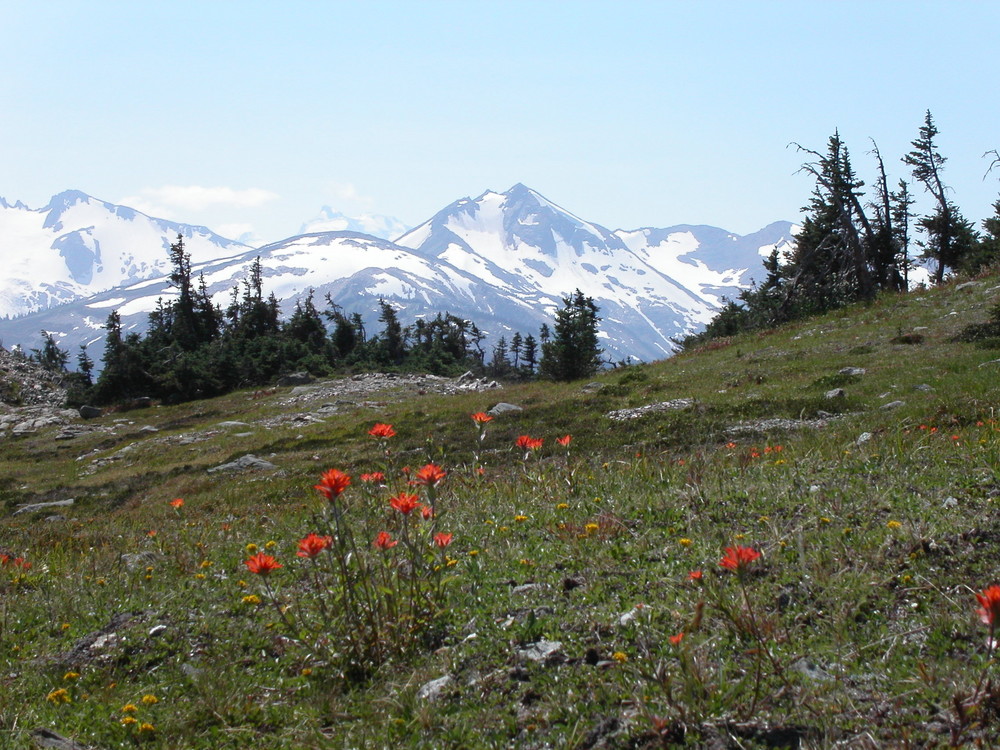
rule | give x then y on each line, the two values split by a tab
573	351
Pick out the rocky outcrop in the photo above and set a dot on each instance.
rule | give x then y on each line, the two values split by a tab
26	383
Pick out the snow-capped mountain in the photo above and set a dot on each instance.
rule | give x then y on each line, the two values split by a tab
77	246
376	225
502	260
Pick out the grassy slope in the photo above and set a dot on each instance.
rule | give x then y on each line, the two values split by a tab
858	622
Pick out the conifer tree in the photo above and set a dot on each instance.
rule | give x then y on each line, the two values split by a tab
573	351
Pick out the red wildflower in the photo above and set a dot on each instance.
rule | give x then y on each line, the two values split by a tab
384	541
177	502
375	476
676	639
262	564
427	512
990	612
332	483
481	417
695	575
312	544
442	540
4	559
738	558
528	443
382	431
564	440
20	562
404	503
430	475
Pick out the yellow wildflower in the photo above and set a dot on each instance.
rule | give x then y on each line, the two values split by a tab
129	720
590	528
685	542
520	518
129	708
562	506
150	699
620	656
206	564
271	544
252	548
70	676
251	599
894	524
60	695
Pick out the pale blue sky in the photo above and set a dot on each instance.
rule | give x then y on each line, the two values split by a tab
247	114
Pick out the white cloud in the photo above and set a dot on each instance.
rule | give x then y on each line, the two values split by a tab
162	200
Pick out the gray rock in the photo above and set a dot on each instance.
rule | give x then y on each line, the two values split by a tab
622	415
542	652
430	691
296	378
32	507
924	388
852	371
863	438
503	408
248	462
836	393
892	405
525	588
90	412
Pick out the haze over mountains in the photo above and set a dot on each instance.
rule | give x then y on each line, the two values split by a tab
502	260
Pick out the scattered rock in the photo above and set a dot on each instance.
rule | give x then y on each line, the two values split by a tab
248	462
157	630
592	387
629	617
90	412
622	415
892	405
852	371
863	438
924	388
811	671
431	691
31	508
966	285
836	393
542	652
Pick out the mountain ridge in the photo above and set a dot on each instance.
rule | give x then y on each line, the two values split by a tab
502	260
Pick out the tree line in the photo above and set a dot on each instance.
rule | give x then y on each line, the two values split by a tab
193	348
850	248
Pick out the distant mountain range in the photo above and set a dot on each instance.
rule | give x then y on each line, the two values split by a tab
502	260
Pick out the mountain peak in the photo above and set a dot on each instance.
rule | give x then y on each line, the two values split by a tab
65	199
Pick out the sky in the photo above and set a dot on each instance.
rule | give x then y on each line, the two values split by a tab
248	117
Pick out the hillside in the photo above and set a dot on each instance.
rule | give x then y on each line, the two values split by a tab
604	594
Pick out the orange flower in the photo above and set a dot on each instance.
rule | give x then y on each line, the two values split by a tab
442	540
430	475
384	541
427	513
404	503
990	612
676	639
564	440
528	443
262	564
738	558
481	417
382	431
695	575
332	483
375	476
312	544
177	502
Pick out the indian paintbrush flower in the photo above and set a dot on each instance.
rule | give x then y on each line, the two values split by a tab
332	483
262	564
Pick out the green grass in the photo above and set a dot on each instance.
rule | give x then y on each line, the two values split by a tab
858	624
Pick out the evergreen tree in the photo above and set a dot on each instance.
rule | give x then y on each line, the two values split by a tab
949	236
391	346
50	356
516	344
573	350
529	354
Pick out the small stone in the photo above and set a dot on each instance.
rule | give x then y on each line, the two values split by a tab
542	652
852	371
431	691
863	438
950	502
924	388
836	393
892	405
503	408
157	630
525	588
